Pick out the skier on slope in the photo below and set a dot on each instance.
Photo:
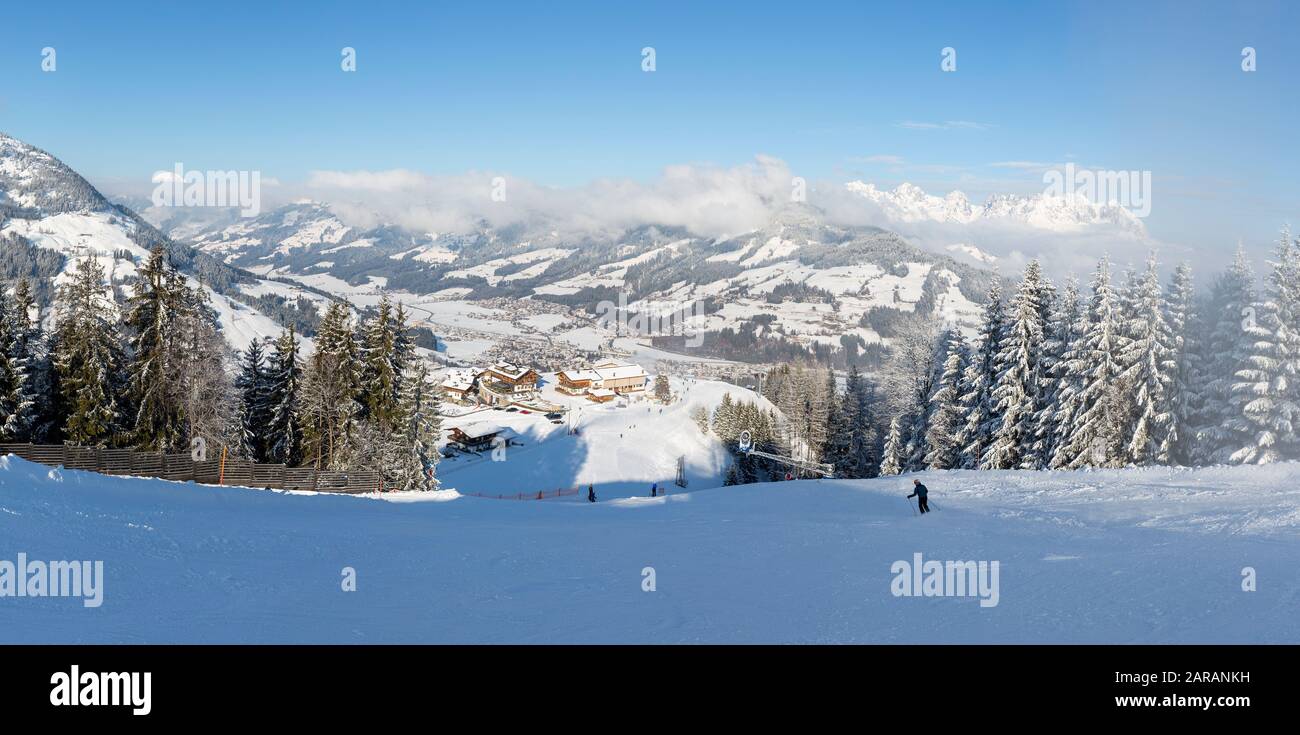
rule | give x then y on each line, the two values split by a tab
591	493
920	494
654	490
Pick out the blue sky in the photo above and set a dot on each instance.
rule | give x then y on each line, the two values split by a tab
554	92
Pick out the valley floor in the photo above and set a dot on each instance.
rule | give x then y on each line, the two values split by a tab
1131	556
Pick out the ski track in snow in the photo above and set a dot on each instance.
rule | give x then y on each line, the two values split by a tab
1123	556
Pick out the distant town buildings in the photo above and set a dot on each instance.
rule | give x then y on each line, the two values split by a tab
458	386
477	437
606	378
505	383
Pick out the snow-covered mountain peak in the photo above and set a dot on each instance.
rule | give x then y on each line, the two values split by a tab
34	180
909	203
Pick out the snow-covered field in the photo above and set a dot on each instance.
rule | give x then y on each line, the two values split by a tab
1114	556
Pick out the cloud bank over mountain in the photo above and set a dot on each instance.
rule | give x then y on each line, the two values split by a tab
713	201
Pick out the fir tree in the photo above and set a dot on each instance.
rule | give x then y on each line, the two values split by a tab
1231	317
700	415
1094	436
421	429
331	385
380	363
859	460
284	432
1018	380
979	381
838	434
946	413
1149	376
892	463
17	401
662	390
254	387
32	346
1264	396
725	423
1060	384
1182	320
87	358
152	312
733	476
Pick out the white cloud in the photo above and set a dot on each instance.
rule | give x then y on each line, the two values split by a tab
704	199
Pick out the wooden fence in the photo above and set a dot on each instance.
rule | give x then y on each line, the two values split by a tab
539	495
182	467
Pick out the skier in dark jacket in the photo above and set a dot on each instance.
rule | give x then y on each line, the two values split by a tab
591	493
654	490
920	494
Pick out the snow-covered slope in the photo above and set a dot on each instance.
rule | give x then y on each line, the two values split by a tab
1116	556
621	447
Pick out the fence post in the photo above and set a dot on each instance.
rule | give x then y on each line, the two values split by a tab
221	472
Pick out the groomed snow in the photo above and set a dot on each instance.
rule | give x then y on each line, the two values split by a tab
1116	556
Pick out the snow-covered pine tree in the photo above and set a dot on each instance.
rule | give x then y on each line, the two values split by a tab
663	392
791	403
818	397
946	415
17	403
1018	379
916	447
331	386
379	364
892	462
284	432
838	435
1094	436
33	347
725	422
253	387
700	415
87	358
979	380
1229	313
404	356
201	379
860	459
1264	392
421	428
733	476
153	310
1058	384
1182	319
1148	375
773	381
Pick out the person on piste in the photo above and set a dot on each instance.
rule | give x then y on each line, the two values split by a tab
920	494
591	493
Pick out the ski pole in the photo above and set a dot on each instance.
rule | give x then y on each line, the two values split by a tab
910	505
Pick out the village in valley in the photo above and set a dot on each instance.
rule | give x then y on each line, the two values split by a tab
492	413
